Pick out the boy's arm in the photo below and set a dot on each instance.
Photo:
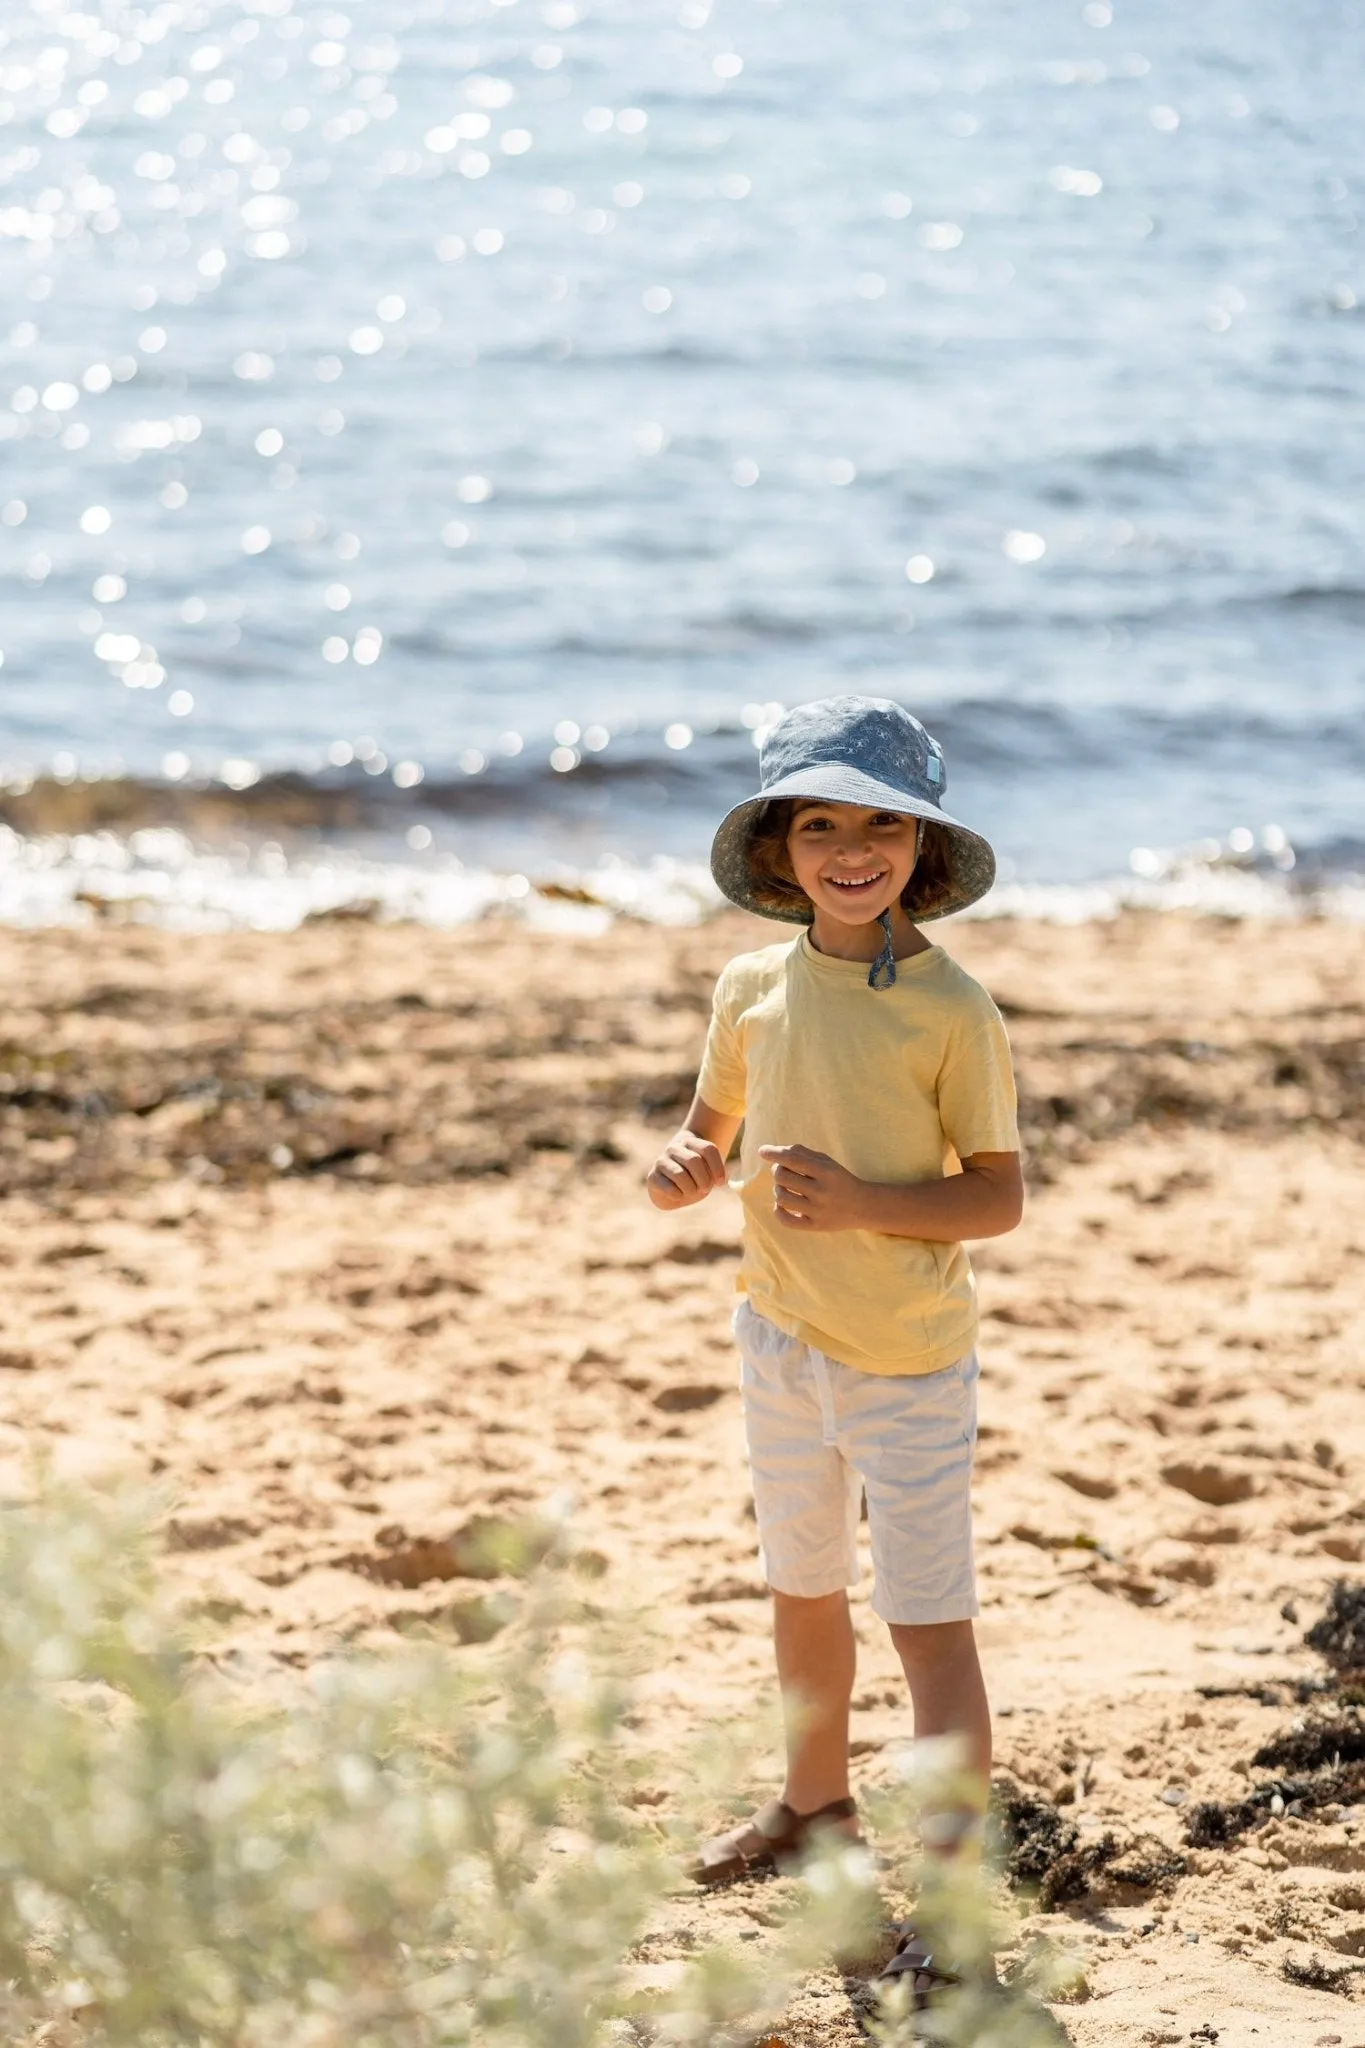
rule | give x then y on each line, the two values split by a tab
692	1163
813	1192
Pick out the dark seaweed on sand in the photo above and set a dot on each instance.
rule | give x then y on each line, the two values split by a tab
1325	1755
243	1092
1319	1976
1340	1635
1036	1835
1044	1850
1317	1745
1215	1822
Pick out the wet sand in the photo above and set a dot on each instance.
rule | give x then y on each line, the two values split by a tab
340	1236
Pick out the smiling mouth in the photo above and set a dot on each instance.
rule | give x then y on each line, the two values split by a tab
856	885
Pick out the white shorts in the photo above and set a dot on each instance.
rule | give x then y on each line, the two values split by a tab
820	1435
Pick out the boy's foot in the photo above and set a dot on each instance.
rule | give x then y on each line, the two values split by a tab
775	1839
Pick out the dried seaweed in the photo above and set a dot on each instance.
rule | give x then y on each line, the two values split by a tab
251	1089
1317	1745
1036	1835
1213	1823
1339	1635
1150	1867
1319	1976
1045	1850
1083	1092
1326	1753
1274	1692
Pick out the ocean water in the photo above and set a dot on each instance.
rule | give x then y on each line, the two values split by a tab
437	438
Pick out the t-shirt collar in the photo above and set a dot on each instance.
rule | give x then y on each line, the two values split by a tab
852	970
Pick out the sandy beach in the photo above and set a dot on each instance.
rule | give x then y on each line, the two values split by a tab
340	1237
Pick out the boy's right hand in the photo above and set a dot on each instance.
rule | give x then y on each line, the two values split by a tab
685	1171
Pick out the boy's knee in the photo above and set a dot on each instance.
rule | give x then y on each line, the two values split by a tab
925	1643
812	1602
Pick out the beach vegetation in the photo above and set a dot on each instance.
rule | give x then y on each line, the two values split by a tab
434	1849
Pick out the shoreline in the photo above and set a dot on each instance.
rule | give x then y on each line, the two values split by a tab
339	1243
556	840
201	874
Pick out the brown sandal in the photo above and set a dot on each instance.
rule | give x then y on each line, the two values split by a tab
913	1957
774	1840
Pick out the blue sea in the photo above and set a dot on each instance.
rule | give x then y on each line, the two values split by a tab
484	418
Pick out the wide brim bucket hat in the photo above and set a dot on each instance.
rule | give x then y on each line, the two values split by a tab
852	750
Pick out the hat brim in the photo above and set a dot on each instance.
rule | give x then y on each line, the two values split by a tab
971	863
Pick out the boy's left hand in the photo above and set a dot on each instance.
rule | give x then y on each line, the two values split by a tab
811	1191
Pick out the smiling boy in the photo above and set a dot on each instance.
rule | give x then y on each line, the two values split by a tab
872	1079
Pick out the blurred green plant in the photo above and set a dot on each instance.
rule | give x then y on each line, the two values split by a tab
413	1852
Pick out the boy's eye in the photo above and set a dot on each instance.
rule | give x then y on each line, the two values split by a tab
882	820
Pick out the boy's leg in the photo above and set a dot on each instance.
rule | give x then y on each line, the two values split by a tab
815	1656
815	1650
940	1664
912	1439
806	1498
949	1695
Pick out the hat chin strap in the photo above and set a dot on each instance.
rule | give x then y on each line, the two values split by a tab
882	973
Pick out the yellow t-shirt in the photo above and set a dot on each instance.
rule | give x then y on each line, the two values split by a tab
898	1085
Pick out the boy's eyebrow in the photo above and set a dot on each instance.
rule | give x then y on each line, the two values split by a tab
801	805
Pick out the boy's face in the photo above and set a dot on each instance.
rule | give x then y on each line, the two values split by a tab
852	863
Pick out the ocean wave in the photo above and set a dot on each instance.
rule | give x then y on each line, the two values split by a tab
1141	458
540	779
536	782
376	795
1347	597
160	875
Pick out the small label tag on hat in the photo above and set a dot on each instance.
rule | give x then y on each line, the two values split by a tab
934	768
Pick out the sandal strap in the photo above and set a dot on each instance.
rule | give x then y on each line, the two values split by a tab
782	1823
913	1957
775	1836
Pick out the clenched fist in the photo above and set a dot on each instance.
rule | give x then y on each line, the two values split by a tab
685	1171
811	1191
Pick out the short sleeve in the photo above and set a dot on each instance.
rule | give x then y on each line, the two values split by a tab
976	1098
721	1082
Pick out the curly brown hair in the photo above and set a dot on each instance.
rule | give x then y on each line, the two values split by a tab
775	886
